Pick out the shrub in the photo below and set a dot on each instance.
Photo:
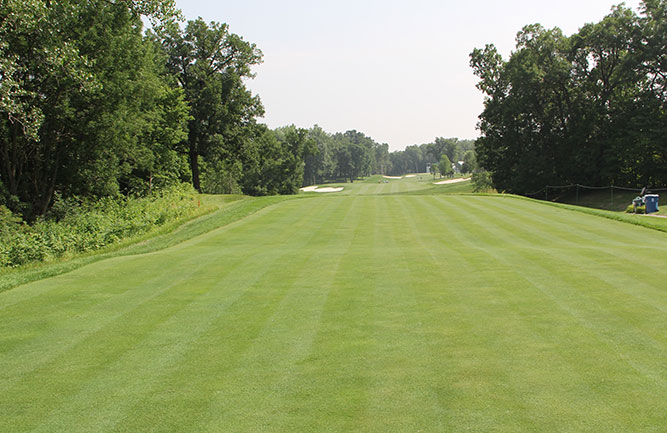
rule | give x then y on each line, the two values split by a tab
76	226
639	210
481	181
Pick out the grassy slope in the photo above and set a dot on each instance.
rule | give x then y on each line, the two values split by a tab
216	211
353	313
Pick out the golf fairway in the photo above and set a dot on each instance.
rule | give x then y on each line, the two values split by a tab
360	313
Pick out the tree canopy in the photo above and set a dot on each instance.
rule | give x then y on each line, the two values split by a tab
92	104
589	108
84	104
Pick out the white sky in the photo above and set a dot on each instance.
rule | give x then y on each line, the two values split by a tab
396	70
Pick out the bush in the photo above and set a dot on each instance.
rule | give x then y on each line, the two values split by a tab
639	210
481	181
75	226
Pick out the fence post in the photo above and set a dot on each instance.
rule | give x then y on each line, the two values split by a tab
612	196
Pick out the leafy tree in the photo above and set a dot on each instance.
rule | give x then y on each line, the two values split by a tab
433	168
273	161
481	181
589	108
446	146
320	163
415	159
382	161
445	166
296	145
80	96
469	162
210	64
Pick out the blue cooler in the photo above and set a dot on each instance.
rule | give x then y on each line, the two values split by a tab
651	201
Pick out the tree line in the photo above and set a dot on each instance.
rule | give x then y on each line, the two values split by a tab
440	154
585	109
92	104
351	155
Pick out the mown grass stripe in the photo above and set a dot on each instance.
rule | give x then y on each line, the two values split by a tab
205	325
498	248
475	302
69	352
610	272
591	318
283	342
617	267
362	312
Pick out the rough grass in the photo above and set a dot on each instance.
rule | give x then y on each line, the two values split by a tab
352	313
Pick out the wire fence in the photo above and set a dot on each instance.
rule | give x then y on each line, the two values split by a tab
554	191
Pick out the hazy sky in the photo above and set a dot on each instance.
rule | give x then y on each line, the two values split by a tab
396	70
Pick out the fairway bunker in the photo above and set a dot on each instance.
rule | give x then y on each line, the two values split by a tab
448	181
392	177
315	188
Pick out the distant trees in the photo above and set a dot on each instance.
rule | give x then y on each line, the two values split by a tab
469	162
349	155
589	108
352	154
415	158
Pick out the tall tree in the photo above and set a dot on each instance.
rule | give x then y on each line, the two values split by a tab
445	165
210	64
273	161
320	163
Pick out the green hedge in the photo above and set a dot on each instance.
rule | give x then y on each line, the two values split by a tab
77	226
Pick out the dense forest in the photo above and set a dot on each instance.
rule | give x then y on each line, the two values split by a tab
589	109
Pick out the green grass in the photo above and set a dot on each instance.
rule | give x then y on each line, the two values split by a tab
352	312
653	221
216	211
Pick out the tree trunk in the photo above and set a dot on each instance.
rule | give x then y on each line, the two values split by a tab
194	167
11	161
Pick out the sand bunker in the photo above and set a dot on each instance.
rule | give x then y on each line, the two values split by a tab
410	175
329	189
315	188
448	181
392	177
